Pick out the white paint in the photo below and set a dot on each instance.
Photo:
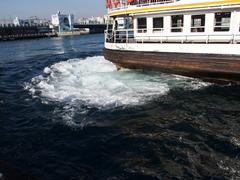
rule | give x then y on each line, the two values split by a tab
227	49
187	24
186	41
135	24
166	24
209	23
149	25
225	36
235	22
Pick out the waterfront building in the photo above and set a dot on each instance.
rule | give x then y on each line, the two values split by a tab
32	21
6	21
93	20
62	22
196	38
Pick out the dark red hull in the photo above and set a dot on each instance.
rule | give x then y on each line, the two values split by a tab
210	67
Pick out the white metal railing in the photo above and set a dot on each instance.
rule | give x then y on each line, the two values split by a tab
157	30
139	3
137	36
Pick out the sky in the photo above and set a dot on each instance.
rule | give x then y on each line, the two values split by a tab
45	8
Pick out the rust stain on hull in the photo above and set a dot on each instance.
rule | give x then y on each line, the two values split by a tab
210	67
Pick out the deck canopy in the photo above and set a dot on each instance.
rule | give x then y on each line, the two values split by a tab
123	7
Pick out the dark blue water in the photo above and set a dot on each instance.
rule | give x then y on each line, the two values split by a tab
66	113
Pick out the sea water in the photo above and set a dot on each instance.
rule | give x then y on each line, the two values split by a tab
68	113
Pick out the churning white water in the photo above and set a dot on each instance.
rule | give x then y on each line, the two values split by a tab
95	82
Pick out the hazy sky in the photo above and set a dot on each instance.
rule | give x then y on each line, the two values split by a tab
44	8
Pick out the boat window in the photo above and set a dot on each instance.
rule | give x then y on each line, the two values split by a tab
177	23
158	24
198	23
222	21
120	23
142	25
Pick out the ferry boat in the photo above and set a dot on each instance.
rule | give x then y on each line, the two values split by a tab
196	38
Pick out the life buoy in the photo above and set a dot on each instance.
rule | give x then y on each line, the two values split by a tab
116	2
130	1
108	3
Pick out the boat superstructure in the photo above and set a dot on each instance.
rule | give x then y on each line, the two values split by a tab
197	38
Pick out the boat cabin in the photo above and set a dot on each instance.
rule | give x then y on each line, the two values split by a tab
174	21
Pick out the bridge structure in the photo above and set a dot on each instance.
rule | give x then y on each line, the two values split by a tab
28	32
94	28
12	32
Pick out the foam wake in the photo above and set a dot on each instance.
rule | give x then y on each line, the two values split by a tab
95	83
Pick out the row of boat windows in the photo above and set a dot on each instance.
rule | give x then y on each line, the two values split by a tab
221	23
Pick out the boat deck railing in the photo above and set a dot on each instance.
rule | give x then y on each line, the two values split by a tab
158	36
141	3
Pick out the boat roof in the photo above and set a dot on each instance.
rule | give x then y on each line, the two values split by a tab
168	6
